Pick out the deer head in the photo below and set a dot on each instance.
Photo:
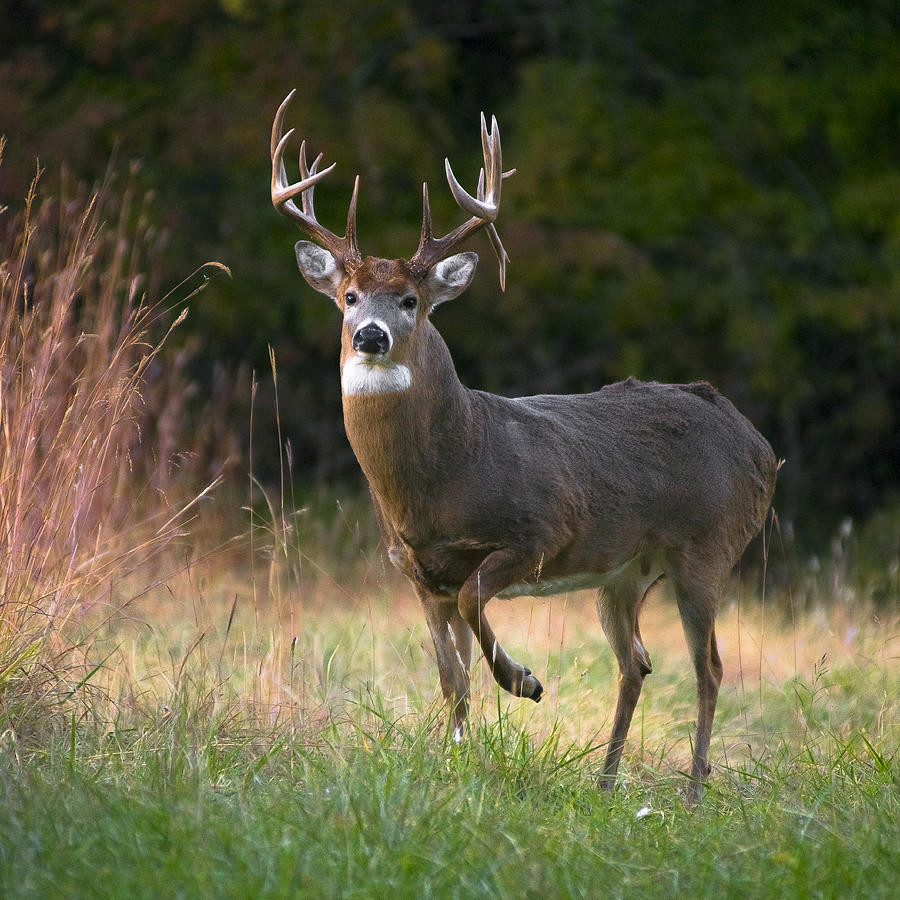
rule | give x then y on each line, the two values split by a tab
384	302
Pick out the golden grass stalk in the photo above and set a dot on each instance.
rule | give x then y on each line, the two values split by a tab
85	394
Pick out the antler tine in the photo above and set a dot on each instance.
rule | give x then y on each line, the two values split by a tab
306	174
351	216
427	236
280	187
278	124
483	207
283	194
500	250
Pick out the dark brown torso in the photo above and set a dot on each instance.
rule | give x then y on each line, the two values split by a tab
579	483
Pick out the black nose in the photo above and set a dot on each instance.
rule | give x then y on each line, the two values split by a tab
371	338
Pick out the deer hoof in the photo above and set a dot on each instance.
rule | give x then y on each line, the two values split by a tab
531	687
694	793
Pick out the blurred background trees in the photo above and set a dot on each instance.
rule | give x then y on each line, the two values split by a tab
704	191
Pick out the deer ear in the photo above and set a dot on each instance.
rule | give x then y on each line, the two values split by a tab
450	277
319	268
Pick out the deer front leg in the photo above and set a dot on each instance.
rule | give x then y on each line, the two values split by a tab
499	570
453	650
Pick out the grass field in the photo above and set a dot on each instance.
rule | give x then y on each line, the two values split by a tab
185	715
297	747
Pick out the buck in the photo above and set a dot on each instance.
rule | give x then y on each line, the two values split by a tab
480	496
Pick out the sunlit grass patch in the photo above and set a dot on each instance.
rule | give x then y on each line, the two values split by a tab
205	798
349	661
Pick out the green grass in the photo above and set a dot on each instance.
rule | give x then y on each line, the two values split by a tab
354	790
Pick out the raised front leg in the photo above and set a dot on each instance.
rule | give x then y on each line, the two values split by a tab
499	570
453	650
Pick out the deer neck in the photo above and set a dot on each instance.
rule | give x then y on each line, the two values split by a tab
409	438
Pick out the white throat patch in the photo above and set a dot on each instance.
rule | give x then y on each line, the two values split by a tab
373	375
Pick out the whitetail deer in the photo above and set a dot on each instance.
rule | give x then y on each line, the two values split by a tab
480	496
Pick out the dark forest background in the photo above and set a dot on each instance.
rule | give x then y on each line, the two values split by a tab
704	191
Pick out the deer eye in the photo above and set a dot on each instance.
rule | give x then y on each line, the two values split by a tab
350	298
410	301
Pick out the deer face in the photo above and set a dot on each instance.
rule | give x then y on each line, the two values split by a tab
386	302
383	304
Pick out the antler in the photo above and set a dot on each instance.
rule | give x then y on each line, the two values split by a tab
283	194
483	208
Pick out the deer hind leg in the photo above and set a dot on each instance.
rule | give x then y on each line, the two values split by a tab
453	649
499	570
619	606
697	603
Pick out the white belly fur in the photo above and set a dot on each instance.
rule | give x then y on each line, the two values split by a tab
633	570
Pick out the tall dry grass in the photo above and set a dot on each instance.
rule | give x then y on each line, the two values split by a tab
88	397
